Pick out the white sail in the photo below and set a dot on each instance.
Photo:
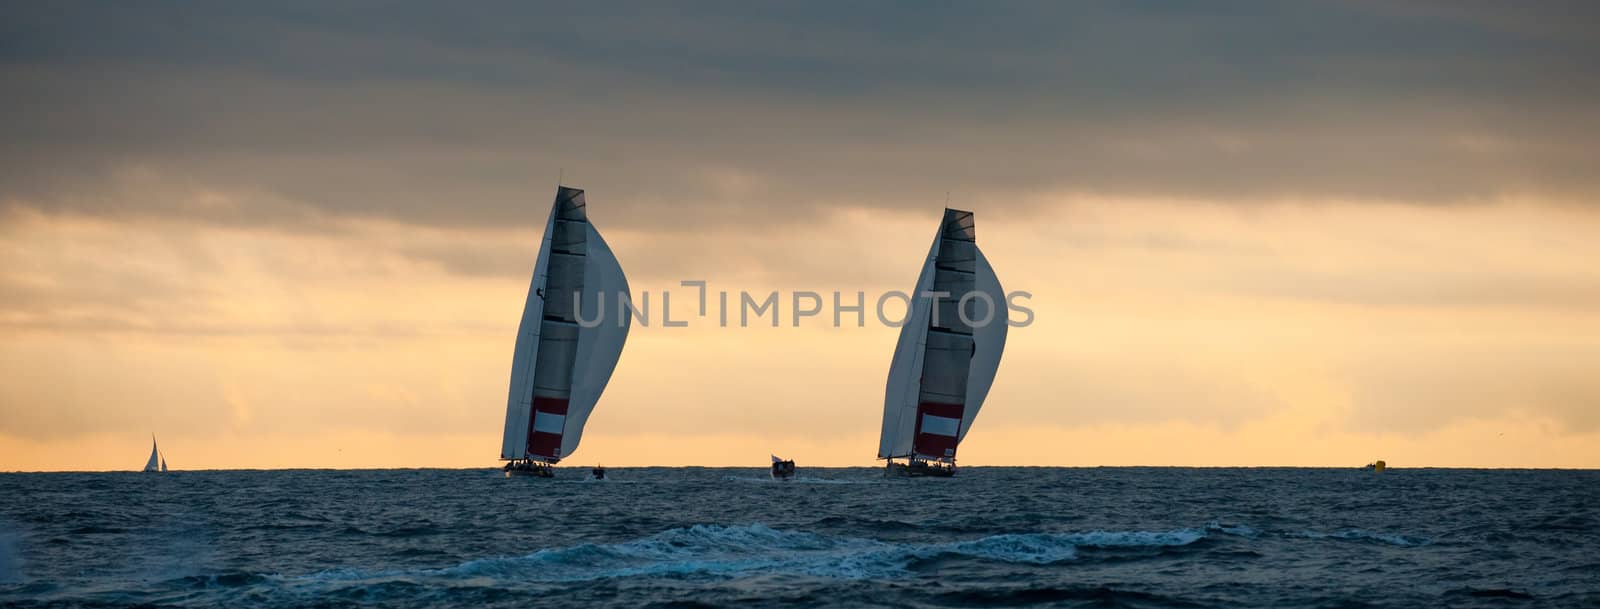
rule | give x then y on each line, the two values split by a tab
943	365
600	347
560	367
152	464
989	341
519	403
905	370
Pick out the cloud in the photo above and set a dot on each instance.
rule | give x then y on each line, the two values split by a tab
767	116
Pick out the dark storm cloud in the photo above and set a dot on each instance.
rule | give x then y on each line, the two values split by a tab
759	114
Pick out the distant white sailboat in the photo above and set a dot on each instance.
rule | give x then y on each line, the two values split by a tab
561	366
943	365
158	461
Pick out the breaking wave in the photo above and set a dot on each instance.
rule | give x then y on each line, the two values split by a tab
1236	530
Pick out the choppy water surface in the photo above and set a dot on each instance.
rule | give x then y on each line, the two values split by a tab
1131	537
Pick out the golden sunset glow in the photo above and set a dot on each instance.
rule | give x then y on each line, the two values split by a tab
1166	333
317	257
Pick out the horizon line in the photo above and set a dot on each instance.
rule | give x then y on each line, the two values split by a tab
830	467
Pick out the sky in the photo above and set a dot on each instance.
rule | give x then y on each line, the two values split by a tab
299	235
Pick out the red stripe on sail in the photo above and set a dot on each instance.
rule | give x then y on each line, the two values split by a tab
550	405
935	445
948	411
544	445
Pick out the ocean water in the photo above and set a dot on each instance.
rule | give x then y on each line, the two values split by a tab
702	537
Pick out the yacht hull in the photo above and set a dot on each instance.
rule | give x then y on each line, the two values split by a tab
918	469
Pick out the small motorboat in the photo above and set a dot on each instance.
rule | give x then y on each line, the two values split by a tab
782	469
598	473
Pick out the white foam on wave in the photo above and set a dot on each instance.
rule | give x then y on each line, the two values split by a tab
1237	530
718	551
1022	548
732	551
1129	539
1045	548
699	549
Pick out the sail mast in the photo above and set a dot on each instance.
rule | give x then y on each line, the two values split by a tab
948	347
519	407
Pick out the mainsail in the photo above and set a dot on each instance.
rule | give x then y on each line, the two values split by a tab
560	367
154	464
943	365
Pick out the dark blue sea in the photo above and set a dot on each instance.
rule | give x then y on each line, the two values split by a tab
693	537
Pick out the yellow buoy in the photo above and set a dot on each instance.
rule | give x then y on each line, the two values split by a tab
1378	466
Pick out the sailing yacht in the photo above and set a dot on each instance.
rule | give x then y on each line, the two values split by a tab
945	361
158	461
563	359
